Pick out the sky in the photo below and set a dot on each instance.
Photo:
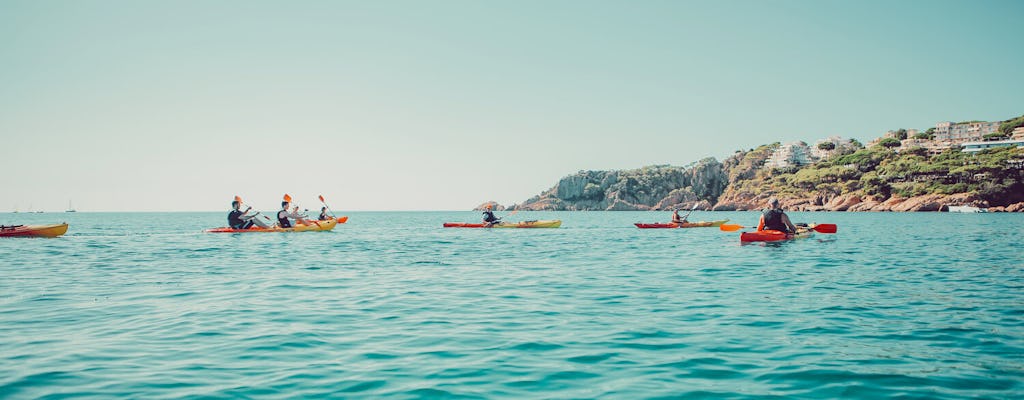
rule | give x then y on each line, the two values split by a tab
412	105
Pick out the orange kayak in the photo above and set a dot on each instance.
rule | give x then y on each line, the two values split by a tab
33	230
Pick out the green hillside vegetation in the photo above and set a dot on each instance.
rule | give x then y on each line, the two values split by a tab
995	174
1009	125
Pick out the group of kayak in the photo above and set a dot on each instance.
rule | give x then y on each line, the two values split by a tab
773	226
289	219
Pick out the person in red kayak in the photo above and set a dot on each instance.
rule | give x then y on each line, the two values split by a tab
773	218
238	219
676	219
489	218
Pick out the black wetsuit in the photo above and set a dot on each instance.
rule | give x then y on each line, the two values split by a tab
490	218
282	219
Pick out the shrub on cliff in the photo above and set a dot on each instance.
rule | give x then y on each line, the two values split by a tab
1009	125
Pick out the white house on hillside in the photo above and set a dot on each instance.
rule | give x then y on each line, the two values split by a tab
818	154
964	132
790	154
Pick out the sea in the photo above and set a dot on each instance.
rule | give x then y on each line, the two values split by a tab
390	305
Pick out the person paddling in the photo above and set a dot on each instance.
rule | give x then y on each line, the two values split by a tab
773	218
323	214
283	215
676	219
238	219
489	217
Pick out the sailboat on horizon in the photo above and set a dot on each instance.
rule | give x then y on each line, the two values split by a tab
70	208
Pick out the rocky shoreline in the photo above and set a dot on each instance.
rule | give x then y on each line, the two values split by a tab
855	203
741	183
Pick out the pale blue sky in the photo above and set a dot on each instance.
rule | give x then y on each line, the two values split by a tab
413	105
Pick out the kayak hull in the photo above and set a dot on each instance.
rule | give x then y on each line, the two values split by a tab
34	230
667	225
524	224
771	236
312	226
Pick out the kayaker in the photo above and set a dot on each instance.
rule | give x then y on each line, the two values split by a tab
773	218
676	219
238	219
284	215
489	217
323	214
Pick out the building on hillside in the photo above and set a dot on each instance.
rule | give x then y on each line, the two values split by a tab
964	132
933	147
790	155
1018	133
817	153
892	135
974	147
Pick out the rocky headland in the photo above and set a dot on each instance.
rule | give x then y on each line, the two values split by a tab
858	179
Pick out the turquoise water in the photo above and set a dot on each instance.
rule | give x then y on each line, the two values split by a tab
391	305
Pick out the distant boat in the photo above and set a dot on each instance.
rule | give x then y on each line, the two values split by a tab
70	208
965	209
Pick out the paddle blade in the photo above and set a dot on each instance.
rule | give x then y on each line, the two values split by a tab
730	227
287	198
238	199
321	198
342	220
825	228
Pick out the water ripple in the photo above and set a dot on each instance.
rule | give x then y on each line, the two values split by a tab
390	305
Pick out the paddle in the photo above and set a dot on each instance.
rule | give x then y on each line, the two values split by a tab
730	227
820	228
681	220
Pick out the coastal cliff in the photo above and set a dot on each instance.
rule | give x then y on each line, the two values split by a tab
660	187
867	179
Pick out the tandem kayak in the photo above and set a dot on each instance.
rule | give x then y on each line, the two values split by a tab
33	230
772	236
699	224
524	224
312	226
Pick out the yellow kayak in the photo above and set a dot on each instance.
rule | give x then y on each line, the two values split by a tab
310	226
34	230
524	224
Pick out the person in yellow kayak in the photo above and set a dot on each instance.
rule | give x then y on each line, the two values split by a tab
773	218
284	217
323	214
489	218
238	219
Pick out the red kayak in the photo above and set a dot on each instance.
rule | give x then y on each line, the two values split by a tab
772	236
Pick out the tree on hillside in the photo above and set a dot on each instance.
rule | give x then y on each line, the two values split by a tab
930	131
1008	126
901	134
889	143
995	136
926	135
827	146
856	144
